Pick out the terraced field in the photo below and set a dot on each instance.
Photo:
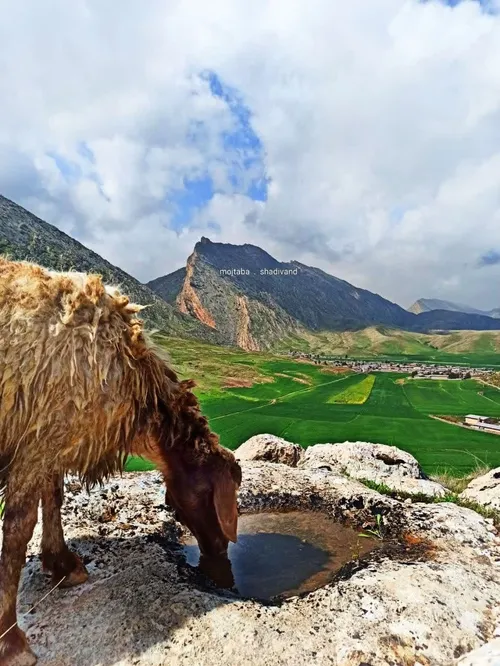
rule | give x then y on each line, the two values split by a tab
307	404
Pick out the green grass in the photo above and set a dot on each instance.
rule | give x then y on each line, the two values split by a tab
322	409
135	464
451	497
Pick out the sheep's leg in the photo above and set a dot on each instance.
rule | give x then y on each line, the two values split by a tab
56	556
21	507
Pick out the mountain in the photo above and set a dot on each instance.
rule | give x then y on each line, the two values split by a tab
231	294
253	300
430	304
25	236
444	320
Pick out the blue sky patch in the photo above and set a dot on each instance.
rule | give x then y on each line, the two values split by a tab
247	169
487	5
69	170
243	158
490	258
85	152
185	202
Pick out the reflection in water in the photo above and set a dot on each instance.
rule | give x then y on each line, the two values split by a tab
281	554
217	568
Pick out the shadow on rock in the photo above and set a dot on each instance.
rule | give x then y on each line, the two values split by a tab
135	599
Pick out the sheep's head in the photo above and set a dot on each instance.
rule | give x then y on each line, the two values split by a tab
203	493
202	477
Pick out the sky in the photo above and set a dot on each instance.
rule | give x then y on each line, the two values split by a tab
362	137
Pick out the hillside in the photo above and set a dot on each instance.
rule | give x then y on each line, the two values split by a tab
430	304
255	301
444	320
474	347
23	236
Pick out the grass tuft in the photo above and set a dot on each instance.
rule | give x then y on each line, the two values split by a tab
457	484
451	497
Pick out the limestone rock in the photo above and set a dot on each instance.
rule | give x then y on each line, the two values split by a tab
487	655
271	449
485	490
380	463
143	607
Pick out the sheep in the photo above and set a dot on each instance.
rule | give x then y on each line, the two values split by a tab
81	388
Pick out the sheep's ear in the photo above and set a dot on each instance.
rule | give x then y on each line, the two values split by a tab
226	507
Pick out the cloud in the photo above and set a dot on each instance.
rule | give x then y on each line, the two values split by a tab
358	137
491	258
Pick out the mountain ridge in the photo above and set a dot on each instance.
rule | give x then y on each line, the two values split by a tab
248	295
431	304
24	236
236	295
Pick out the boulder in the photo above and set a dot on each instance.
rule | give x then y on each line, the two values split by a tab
485	490
382	464
141	606
271	449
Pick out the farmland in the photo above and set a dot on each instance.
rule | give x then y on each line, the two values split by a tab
357	394
307	404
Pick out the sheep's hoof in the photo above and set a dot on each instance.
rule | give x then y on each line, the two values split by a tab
15	651
66	566
75	578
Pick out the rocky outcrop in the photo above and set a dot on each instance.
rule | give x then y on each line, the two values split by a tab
429	602
244	338
271	449
188	300
485	490
387	465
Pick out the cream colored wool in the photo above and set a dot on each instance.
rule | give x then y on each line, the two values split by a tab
80	385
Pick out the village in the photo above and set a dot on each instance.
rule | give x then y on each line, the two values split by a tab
414	370
418	370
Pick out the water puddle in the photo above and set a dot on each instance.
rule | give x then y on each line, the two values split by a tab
282	554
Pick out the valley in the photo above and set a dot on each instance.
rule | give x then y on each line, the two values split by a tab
245	394
234	318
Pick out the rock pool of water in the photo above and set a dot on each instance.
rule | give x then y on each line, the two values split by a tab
282	554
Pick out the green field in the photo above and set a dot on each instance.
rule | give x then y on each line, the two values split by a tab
394	413
357	394
305	403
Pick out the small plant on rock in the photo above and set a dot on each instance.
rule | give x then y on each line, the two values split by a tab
376	532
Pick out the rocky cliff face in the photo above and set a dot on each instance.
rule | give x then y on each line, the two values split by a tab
188	300
206	294
244	338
